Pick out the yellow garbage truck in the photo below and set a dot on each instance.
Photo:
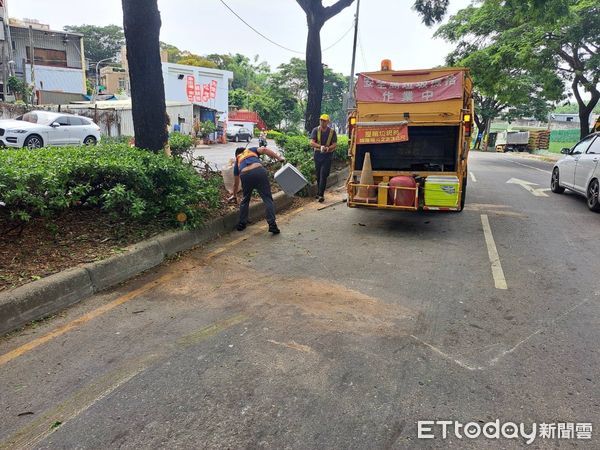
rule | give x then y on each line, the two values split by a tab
410	135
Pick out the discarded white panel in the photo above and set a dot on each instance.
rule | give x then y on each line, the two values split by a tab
290	179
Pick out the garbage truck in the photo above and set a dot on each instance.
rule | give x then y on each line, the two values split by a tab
410	134
511	141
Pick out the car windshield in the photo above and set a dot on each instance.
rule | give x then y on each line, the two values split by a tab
33	117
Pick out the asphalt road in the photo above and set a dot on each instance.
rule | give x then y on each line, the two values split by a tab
218	155
342	332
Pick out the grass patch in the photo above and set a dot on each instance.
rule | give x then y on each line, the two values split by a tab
556	147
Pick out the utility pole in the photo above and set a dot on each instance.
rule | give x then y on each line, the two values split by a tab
32	55
351	79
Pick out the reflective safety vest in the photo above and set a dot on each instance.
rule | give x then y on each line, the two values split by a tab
245	155
329	137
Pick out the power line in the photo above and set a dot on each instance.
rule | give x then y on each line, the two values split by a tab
362	51
277	44
340	39
258	32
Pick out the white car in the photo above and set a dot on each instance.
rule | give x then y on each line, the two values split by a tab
38	129
579	171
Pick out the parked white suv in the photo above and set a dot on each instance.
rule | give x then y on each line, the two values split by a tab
38	129
579	171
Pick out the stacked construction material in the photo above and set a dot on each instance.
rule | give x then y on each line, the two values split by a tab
539	140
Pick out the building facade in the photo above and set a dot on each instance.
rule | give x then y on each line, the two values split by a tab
51	60
207	89
115	80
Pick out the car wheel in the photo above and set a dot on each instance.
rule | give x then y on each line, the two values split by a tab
248	140
593	193
554	182
34	141
90	140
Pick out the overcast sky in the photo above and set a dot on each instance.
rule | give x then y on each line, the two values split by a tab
388	28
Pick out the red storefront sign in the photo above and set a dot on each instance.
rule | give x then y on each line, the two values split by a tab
213	89
205	92
190	87
381	134
198	93
370	89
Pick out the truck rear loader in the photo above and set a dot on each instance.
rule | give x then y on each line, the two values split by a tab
410	138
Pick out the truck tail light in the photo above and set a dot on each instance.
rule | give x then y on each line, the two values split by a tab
468	124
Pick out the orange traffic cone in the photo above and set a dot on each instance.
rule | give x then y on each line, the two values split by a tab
366	194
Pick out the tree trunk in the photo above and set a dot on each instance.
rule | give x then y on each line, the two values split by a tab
480	130
585	110
314	71
141	23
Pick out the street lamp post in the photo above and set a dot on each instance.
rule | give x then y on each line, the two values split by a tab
97	90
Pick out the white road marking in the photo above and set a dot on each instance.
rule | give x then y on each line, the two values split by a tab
528	185
497	271
531	167
441	353
473	177
536	332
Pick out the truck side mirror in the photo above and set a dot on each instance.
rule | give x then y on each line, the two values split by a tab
565	151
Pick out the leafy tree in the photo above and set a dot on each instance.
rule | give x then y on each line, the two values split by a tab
317	15
100	42
507	83
173	53
141	20
19	88
190	59
561	35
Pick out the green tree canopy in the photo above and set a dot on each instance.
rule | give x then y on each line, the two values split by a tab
99	42
562	36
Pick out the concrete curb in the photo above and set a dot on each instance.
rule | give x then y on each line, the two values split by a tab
52	294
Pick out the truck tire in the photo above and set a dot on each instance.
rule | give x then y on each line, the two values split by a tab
463	195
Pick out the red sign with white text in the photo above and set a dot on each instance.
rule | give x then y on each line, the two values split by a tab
369	89
190	87
381	134
213	89
205	92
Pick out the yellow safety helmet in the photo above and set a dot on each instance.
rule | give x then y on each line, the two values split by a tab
324	117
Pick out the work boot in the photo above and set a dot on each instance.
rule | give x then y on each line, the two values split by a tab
321	199
240	226
273	228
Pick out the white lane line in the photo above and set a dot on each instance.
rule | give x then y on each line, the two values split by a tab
531	167
538	331
497	271
473	177
444	355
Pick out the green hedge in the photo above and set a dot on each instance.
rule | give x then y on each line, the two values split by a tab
297	151
180	143
564	136
120	180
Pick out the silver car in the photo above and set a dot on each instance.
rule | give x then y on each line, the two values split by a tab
579	171
38	129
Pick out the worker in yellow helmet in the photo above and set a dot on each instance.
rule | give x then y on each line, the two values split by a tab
323	141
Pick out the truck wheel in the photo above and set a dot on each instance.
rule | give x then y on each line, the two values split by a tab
463	195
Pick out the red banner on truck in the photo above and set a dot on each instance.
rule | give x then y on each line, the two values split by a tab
370	89
381	134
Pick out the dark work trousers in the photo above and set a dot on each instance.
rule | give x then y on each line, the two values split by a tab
256	179
322	168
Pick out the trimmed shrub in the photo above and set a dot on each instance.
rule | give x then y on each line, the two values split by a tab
180	143
125	182
341	151
111	140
